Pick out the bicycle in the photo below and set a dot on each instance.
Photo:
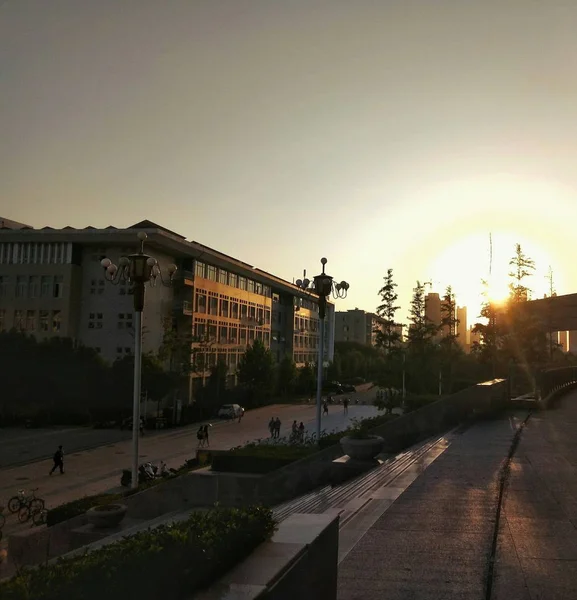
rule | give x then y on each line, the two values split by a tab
23	500
37	515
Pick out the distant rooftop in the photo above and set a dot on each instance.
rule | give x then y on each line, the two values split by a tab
8	224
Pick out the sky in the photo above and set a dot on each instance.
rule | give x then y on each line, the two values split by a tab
375	133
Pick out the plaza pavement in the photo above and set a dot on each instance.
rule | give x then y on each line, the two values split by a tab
436	540
98	470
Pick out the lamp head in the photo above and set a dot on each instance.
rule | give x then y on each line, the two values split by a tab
141	235
105	263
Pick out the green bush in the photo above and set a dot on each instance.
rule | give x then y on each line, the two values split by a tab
332	438
291	452
171	561
79	507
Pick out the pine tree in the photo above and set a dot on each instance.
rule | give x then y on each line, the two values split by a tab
448	343
422	331
521	267
388	337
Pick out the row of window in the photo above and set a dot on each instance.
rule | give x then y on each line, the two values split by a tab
231	279
29	253
31	286
32	320
210	303
305	357
211	331
303	324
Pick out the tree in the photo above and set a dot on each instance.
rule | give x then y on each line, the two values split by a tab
256	371
286	375
306	379
389	336
421	341
521	267
487	350
335	369
448	344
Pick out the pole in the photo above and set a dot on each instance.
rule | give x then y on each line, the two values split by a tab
440	382
136	396
320	372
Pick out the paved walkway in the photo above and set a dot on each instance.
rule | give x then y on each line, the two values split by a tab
537	551
434	542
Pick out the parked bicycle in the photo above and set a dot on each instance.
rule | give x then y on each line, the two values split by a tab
25	500
38	515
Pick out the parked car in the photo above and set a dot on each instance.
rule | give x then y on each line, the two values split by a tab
333	387
230	411
348	388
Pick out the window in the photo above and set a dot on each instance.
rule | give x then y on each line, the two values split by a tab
200	302
95	321
21	286
252	312
33	286
57	288
100	287
223	276
56	320
275	298
267	316
266	291
258	288
224	308
211	273
45	286
43	320
125	321
4	280
30	320
250	285
260	315
213	306
234	310
200	269
212	332
233	279
243	311
19	323
242	283
223	334
200	331
2	318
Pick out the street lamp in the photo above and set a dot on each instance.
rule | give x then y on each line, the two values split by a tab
323	286
137	269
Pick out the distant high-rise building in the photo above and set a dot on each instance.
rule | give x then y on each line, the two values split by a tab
462	327
433	308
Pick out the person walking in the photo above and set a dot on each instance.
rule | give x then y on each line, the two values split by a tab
271	427
277	425
346	406
200	436
58	459
325	408
206	441
294	431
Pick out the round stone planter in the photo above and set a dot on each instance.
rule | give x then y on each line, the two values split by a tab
106	516
362	449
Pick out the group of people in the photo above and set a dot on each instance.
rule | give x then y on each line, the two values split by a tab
274	427
345	401
202	436
297	432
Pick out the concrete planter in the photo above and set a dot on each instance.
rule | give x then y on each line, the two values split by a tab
365	449
107	516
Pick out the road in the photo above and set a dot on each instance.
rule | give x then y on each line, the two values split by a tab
98	470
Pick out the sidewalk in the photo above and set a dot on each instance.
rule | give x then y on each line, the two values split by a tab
435	540
537	549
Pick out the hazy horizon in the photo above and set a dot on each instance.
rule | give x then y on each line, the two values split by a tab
376	134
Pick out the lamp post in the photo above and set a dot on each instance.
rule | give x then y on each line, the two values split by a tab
138	269
323	286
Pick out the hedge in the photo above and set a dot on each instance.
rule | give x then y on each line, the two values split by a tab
171	561
330	439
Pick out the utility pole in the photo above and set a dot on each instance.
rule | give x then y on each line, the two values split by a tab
552	293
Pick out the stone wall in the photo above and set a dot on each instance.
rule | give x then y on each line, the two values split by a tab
300	561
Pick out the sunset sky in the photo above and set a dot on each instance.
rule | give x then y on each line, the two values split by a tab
376	133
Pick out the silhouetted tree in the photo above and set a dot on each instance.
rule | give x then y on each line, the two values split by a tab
287	374
388	337
256	371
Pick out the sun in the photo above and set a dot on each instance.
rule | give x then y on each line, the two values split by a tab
497	290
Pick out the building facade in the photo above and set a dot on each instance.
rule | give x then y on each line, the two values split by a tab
52	284
359	326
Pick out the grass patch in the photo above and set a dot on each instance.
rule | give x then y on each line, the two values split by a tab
180	560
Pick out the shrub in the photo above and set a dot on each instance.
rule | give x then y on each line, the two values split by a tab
365	425
181	559
79	507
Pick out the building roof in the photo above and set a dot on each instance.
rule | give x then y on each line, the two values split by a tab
9	224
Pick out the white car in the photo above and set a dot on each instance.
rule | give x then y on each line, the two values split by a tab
230	411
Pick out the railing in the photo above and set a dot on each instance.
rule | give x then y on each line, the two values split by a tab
551	382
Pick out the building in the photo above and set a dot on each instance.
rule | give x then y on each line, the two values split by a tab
462	337
8	224
52	284
433	308
360	326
